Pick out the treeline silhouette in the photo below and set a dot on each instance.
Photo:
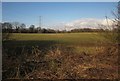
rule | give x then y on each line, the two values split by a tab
17	27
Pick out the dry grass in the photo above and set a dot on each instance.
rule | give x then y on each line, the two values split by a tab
61	63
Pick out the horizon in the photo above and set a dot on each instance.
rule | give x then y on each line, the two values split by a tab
58	15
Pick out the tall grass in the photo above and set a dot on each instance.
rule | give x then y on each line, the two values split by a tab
60	62
59	56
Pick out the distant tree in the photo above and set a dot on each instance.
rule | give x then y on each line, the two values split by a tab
31	28
22	28
43	30
7	27
6	30
16	26
63	31
39	29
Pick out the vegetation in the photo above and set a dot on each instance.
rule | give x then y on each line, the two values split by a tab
89	54
59	56
17	27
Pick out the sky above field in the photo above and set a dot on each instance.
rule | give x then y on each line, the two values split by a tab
58	15
60	0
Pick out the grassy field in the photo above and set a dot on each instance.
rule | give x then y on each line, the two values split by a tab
59	56
89	42
74	38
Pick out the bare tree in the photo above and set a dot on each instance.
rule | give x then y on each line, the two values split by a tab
118	22
16	26
31	28
111	32
22	27
6	30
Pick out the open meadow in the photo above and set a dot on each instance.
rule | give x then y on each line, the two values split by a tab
57	40
59	56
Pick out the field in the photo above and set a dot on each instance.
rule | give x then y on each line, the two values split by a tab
70	38
61	56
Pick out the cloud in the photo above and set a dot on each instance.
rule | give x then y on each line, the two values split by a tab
87	23
107	22
81	23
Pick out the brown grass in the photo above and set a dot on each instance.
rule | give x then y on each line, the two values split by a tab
61	63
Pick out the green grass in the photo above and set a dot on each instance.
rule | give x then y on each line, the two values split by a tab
69	54
88	42
66	38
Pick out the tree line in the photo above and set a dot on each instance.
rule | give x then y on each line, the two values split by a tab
17	27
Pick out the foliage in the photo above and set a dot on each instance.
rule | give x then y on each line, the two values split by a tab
17	27
7	30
